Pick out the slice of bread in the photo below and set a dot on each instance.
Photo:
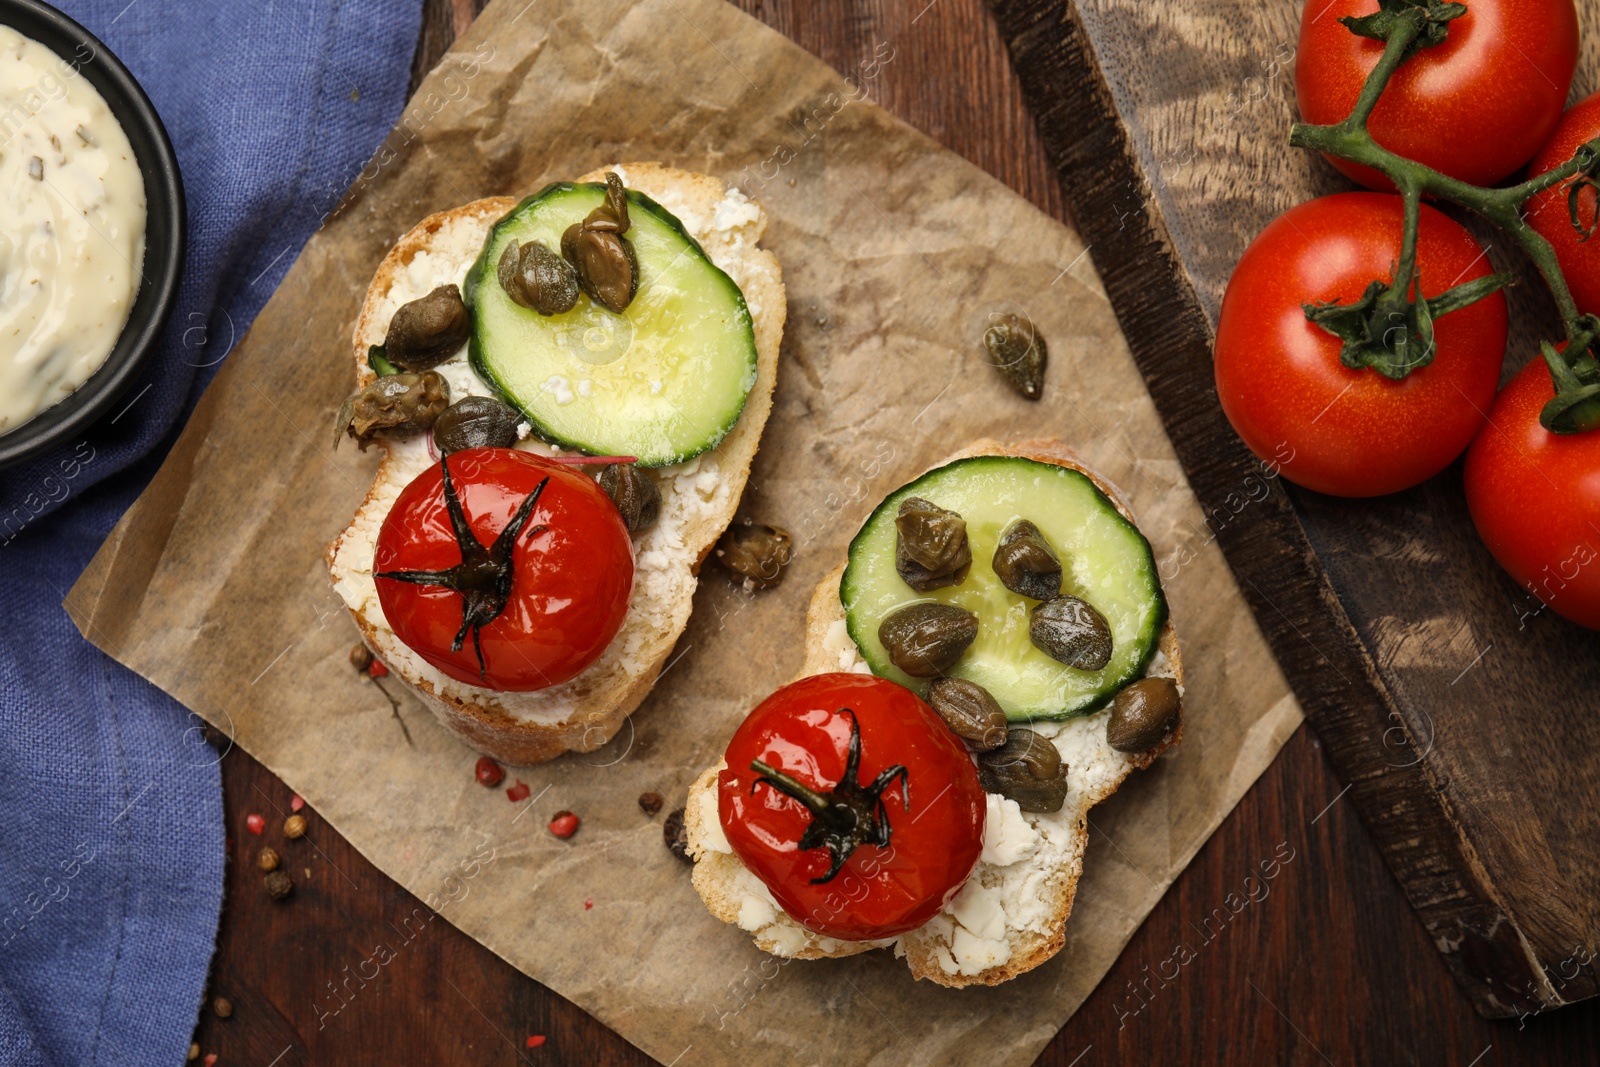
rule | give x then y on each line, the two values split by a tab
698	498
1011	915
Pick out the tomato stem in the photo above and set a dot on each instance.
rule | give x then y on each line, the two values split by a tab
847	816
1405	27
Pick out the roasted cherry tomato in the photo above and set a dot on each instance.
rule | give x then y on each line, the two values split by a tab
1323	425
1476	107
1548	213
518	583
865	815
1535	497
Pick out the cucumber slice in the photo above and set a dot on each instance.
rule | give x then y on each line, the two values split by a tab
663	381
1105	561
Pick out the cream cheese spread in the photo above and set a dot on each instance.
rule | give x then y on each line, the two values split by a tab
71	233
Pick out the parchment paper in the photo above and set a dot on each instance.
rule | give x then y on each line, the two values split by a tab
895	253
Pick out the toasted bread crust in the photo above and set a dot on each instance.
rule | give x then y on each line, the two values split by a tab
717	875
597	716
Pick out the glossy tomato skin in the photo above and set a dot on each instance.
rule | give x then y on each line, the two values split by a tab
1321	424
933	848
1535	498
1475	107
1547	213
570	586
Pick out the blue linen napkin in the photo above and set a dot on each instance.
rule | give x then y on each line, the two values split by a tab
111	854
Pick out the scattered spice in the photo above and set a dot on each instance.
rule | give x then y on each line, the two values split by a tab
360	657
255	823
267	860
488	772
564	825
194	1051
223	1007
278	885
294	827
535	1040
297	802
588	905
676	835
650	802
211	1060
376	669
519	792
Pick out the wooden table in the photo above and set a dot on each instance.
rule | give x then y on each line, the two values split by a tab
1331	967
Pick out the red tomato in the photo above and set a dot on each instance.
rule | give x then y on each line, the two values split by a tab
1535	498
1547	213
1475	107
1323	425
933	814
570	570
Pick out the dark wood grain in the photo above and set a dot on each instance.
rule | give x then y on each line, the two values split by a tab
1330	967
1471	769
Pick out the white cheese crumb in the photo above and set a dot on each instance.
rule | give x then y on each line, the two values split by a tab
559	387
1007	837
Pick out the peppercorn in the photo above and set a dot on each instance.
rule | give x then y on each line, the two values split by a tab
294	827
223	1007
676	835
360	657
489	773
194	1051
564	825
650	802
255	823
377	669
278	885
267	860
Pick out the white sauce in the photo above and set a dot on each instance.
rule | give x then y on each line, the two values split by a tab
71	230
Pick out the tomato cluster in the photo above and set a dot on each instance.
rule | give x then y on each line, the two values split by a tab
1479	106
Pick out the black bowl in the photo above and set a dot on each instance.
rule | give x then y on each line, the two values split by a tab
166	229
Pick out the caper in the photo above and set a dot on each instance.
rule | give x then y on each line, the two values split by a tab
1143	714
476	422
400	403
930	545
537	278
608	269
1028	769
756	553
428	330
1026	564
1018	352
925	640
970	711
1070	631
634	492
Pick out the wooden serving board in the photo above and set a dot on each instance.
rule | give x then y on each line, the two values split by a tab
1460	715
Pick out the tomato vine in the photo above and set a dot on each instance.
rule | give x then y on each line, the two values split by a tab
1390	327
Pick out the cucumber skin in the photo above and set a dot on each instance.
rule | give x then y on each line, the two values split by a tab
481	268
1152	636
